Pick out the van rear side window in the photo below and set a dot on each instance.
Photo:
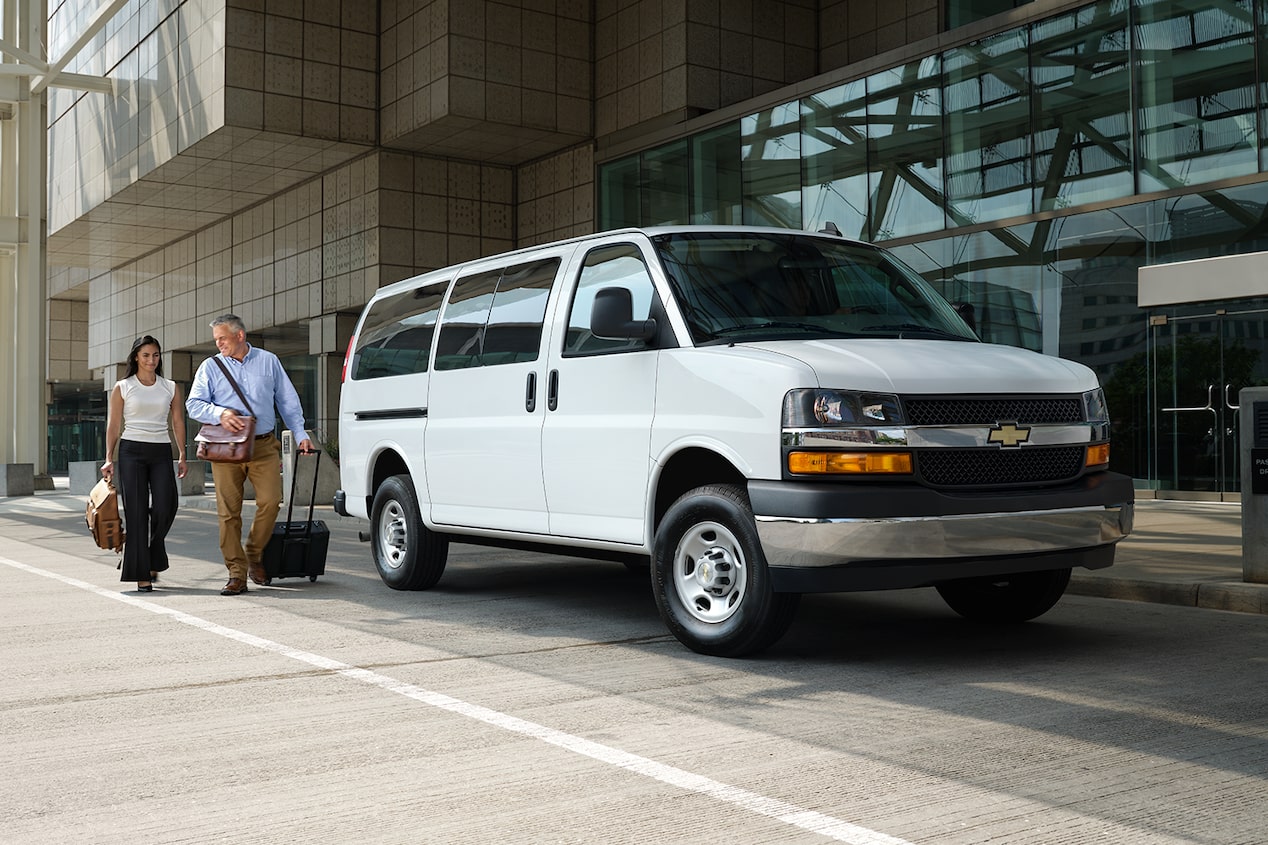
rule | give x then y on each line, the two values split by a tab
496	317
396	335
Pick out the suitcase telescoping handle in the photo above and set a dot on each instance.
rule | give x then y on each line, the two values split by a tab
290	502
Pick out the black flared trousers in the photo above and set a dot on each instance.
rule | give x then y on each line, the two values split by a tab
144	476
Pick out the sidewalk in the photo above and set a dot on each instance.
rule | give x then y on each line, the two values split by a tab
1185	553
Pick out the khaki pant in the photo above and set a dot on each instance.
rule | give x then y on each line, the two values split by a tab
265	473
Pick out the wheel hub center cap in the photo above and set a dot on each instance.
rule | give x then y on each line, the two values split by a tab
713	572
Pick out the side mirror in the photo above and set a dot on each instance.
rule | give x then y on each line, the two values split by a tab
967	313
612	317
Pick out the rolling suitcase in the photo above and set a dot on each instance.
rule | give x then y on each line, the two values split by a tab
298	549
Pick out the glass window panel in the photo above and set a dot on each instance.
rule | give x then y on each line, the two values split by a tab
988	129
1096	256
961	12
1196	77
396	335
770	153
715	177
514	332
834	152
1262	46
664	186
905	153
622	266
992	271
462	328
618	194
1225	222
1081	88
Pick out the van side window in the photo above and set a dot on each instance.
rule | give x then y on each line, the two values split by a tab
618	266
396	334
514	332
462	329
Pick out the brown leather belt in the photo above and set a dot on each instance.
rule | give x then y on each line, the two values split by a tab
264	436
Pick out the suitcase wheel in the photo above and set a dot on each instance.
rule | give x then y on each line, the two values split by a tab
312	578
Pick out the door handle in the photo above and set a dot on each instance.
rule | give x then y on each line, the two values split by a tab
530	393
552	390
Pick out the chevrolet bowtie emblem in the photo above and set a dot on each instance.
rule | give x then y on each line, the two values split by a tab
1009	435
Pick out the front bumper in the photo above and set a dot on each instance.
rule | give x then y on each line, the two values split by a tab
820	537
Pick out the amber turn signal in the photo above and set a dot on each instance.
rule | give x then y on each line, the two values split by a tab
1098	455
850	463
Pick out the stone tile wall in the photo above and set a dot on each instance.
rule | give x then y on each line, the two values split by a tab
670	59
322	247
68	340
556	197
853	30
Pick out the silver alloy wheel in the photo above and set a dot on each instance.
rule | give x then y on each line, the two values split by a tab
710	573
393	534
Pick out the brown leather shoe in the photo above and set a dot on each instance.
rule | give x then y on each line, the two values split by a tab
236	586
258	575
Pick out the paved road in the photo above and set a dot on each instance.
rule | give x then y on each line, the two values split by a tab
531	699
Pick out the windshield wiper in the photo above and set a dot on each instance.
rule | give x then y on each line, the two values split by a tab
774	324
904	328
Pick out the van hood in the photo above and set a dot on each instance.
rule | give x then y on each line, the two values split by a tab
933	366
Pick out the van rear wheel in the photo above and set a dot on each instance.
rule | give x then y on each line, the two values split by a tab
710	578
1006	598
407	554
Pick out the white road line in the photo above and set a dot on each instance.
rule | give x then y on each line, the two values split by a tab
790	814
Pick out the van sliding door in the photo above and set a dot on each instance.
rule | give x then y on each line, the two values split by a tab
483	441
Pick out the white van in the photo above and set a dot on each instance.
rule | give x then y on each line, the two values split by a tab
757	413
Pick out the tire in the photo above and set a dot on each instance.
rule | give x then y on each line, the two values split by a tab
1006	598
710	578
407	554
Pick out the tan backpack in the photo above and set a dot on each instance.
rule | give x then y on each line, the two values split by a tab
102	516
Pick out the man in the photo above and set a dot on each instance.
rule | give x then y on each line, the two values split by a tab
212	399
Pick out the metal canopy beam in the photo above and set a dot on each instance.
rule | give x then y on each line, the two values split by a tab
99	19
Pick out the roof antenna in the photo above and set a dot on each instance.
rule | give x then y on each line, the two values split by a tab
830	228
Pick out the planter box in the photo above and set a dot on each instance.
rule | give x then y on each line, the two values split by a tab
17	479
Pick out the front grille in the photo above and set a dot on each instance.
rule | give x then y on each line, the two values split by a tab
986	467
989	411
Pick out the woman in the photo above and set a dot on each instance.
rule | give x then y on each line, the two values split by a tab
141	404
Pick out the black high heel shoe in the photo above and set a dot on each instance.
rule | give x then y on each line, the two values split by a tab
153	576
145	588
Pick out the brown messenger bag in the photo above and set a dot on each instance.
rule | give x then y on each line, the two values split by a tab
220	445
102	516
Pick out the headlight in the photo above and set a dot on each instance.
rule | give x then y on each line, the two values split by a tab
817	407
1094	406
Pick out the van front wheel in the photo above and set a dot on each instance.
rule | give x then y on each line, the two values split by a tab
407	554
710	578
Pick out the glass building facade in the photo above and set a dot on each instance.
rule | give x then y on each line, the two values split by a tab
1031	172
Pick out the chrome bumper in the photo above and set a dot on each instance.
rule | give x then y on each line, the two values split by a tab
809	543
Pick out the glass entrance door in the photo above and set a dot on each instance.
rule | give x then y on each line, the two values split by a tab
1200	357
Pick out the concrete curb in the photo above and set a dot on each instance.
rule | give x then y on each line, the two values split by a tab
1235	596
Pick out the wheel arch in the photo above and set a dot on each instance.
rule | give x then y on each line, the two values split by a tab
687	469
387	463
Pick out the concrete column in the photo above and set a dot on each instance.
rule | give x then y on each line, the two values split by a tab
9	162
328	337
1253	423
180	368
8	358
30	321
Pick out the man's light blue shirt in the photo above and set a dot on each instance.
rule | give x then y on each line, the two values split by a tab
263	381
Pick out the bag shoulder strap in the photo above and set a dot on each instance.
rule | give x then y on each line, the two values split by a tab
238	390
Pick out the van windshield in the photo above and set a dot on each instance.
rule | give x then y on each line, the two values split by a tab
750	286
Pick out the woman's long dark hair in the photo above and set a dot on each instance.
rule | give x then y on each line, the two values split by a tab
147	340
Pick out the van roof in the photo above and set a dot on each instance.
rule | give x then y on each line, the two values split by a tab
445	274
